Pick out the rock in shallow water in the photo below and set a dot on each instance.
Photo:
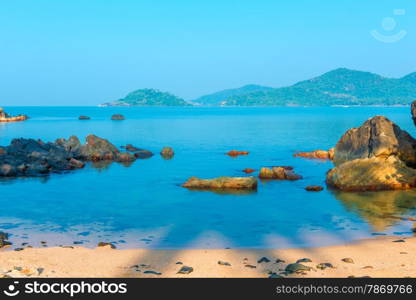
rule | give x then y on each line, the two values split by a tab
375	156
117	117
167	153
235	153
317	154
372	174
314	188
224	183
280	173
377	137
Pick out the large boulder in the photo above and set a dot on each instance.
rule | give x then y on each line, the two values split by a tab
378	137
222	183
372	174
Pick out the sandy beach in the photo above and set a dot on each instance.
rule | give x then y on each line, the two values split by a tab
377	257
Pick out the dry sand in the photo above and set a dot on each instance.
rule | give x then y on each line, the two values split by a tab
377	257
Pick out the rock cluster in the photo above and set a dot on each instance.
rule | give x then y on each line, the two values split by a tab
29	157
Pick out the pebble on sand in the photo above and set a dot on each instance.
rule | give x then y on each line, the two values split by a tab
185	270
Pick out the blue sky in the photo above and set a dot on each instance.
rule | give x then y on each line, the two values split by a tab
88	52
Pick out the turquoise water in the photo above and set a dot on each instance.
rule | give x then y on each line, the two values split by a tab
143	205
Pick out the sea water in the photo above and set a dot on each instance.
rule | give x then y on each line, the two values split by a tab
144	206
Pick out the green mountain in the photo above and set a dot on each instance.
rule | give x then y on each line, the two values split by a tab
338	87
218	97
148	97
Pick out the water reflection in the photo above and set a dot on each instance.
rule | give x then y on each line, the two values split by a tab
380	209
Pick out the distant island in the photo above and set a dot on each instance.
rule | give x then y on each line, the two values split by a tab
148	97
220	98
335	88
338	87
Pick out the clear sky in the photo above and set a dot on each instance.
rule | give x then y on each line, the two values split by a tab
86	52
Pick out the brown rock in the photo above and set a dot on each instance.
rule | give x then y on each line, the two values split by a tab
235	153
167	153
372	174
97	148
84	118
248	170
219	183
281	173
314	188
377	137
316	154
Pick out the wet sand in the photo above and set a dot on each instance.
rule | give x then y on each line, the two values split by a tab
377	257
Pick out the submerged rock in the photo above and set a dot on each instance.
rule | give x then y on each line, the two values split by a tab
249	171
167	153
223	183
235	153
138	153
84	118
281	173
117	117
314	188
130	148
317	154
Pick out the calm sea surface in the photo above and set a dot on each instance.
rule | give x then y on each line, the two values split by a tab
143	205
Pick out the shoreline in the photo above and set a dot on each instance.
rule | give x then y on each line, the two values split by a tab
72	261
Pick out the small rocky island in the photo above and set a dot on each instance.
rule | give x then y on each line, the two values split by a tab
148	97
5	117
